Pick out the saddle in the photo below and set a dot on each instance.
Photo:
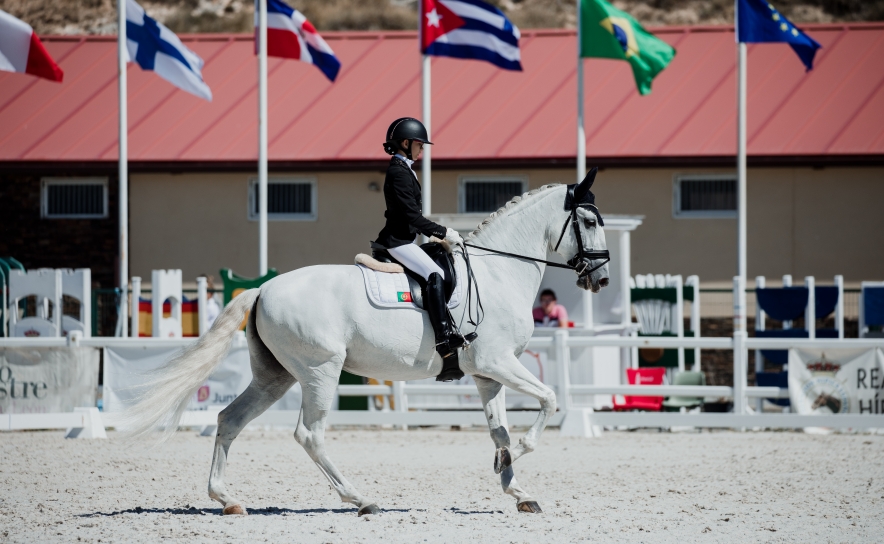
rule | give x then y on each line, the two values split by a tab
437	253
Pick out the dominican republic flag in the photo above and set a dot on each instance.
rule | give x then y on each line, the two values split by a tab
22	51
155	47
469	29
291	36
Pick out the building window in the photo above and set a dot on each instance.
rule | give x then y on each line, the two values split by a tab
288	199
73	198
708	196
488	194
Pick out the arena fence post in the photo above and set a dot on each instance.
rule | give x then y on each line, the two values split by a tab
563	368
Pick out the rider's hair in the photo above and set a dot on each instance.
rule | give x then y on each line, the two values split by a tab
548	293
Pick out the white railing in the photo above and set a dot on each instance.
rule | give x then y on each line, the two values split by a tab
558	346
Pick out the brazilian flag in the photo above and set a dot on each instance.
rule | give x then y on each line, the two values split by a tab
608	33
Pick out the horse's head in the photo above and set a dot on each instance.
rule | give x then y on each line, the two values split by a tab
582	239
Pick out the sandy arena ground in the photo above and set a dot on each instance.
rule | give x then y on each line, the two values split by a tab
439	486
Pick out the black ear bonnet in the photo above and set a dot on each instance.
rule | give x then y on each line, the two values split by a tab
580	196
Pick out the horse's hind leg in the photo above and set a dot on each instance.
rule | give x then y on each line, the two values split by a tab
270	381
494	403
318	395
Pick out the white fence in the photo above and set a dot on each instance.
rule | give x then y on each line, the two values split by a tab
583	420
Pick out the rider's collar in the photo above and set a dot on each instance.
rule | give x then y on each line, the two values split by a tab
402	158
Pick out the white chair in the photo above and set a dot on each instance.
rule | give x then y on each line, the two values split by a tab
45	284
77	284
166	285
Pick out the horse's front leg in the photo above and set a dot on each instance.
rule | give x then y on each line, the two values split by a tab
494	404
510	372
318	394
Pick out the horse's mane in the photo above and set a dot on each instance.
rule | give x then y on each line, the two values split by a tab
509	206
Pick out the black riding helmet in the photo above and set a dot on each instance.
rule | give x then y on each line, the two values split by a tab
405	128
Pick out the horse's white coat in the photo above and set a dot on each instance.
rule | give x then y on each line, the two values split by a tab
310	324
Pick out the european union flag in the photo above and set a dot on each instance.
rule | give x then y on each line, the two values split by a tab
758	22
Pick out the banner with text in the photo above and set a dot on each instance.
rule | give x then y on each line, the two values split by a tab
47	380
837	381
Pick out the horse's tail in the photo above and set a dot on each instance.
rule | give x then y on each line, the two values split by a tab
170	388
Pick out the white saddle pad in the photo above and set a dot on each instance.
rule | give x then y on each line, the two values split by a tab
393	290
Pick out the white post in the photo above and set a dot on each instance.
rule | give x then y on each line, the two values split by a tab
426	172
759	326
588	317
123	166
740	324
202	291
839	307
694	282
400	399
563	363
262	137
787	282
679	318
739	353
136	298
626	296
581	133
810	313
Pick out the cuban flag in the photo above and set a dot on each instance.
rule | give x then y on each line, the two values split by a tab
22	51
155	47
469	29
291	36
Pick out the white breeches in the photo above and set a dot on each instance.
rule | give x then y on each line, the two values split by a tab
414	258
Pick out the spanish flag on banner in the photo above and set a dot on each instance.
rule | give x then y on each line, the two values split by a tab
608	33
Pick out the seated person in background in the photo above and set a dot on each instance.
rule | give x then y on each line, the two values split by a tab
550	313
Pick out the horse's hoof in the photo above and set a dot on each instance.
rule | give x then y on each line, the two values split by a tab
369	509
502	460
234	510
529	506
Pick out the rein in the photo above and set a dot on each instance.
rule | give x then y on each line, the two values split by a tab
550	263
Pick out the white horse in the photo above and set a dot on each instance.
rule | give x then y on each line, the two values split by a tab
310	324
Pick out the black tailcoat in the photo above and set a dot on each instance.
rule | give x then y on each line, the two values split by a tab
402	193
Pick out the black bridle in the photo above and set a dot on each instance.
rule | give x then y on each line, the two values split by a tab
582	261
578	196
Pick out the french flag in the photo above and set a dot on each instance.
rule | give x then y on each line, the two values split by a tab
469	29
290	35
21	50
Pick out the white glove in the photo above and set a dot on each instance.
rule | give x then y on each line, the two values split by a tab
452	238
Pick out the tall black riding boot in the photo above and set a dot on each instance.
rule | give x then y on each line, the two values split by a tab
438	312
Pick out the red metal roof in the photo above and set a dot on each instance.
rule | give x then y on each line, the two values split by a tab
480	113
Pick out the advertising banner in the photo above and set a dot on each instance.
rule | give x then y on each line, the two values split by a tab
837	381
125	369
47	380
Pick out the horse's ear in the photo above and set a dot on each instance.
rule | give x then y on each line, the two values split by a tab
583	187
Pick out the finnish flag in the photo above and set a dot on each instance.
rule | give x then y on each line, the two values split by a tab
155	47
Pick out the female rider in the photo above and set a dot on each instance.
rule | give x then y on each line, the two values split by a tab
405	140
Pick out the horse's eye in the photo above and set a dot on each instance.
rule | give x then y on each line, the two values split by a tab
589	223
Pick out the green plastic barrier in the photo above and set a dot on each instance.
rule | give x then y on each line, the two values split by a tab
235	284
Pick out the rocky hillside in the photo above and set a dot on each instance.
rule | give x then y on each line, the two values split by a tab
99	16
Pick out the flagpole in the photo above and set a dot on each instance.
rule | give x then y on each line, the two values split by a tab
262	137
740	305
581	133
426	179
123	172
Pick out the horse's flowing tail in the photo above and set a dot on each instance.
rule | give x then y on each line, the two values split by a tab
169	391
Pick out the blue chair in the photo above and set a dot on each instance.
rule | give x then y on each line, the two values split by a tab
871	310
